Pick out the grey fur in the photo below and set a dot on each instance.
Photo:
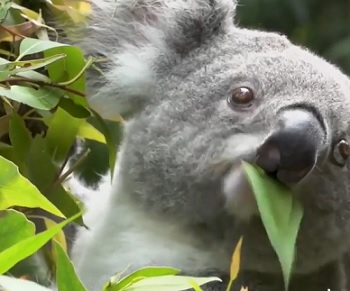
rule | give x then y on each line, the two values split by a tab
174	63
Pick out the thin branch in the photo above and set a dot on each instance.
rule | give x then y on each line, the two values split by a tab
74	167
21	80
60	171
13	33
89	62
64	176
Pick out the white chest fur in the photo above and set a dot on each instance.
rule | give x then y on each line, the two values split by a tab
122	235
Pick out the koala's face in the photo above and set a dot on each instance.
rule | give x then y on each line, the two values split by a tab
246	97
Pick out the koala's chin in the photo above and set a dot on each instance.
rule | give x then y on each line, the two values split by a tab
240	200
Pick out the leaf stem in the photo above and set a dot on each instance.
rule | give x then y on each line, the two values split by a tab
89	62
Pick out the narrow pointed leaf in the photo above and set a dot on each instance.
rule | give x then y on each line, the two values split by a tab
147	272
280	213
14	227
168	283
28	246
66	277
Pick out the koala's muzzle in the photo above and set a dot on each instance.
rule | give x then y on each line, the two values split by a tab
290	151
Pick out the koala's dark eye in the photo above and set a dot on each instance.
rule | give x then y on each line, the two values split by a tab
341	152
241	97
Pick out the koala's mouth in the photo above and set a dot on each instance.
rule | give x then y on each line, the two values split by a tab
240	199
272	175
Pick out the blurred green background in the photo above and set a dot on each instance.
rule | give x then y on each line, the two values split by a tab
320	25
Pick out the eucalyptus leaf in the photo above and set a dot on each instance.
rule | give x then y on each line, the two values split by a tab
17	284
147	272
61	134
66	278
44	98
14	227
32	46
45	176
109	131
281	215
16	190
11	256
68	69
73	109
63	70
60	237
20	138
88	131
7	152
168	283
5	5
12	68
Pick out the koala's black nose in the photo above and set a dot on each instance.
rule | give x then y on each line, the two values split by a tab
290	152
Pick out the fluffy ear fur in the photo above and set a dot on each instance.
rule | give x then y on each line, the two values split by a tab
143	39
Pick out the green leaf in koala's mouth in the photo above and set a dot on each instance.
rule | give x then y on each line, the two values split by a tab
280	213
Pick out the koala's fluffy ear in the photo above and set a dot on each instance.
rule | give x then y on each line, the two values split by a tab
141	40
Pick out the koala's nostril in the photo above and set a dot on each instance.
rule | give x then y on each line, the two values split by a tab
269	157
287	156
290	152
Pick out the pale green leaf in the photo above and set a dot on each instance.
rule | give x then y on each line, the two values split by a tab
64	70
20	138
28	246
5	5
168	283
68	70
14	227
44	177
16	190
87	131
12	68
61	134
32	45
60	237
44	98
66	278
16	284
115	284
281	214
196	287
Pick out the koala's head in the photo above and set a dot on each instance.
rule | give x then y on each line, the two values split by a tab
206	95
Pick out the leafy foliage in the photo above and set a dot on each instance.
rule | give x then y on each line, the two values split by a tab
43	111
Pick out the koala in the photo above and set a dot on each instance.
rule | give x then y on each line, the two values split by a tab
204	95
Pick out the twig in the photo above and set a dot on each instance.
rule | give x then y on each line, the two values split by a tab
19	80
60	171
89	62
13	33
64	176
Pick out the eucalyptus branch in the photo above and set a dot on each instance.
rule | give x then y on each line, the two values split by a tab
21	80
13	33
64	176
74	166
